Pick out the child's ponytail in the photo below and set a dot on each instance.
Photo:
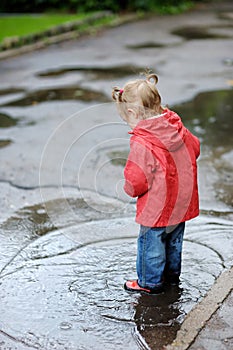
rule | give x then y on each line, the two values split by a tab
152	78
117	94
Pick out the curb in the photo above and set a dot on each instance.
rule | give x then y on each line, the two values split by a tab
198	317
67	31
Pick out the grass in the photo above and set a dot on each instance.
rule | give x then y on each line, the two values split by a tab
11	26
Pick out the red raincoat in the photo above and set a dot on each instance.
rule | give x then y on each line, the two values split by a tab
161	171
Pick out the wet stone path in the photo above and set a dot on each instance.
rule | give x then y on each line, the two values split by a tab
67	230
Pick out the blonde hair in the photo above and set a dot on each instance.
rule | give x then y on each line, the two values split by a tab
139	93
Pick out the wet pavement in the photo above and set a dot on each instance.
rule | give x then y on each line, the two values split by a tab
217	334
68	236
206	326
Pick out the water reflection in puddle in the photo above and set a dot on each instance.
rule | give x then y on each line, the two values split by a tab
58	94
70	92
209	115
69	287
96	72
191	33
5	143
40	219
10	91
146	45
6	121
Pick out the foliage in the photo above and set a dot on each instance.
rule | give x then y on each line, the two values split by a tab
14	6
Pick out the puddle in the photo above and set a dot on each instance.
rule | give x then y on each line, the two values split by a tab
190	33
59	94
32	220
226	15
38	220
10	91
64	289
6	121
228	61
96	72
118	157
146	45
209	116
223	186
10	94
5	143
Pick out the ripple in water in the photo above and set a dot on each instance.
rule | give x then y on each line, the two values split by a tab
70	294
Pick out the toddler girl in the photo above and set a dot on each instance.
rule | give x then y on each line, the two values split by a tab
161	171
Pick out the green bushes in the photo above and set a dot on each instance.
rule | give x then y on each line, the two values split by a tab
71	5
15	6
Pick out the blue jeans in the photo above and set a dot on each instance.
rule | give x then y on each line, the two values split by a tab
159	254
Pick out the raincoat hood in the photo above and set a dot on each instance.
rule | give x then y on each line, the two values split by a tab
165	131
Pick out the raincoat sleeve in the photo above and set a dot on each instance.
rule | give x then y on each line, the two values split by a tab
197	147
195	143
139	170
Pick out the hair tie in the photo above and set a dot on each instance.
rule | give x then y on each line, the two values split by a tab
121	91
